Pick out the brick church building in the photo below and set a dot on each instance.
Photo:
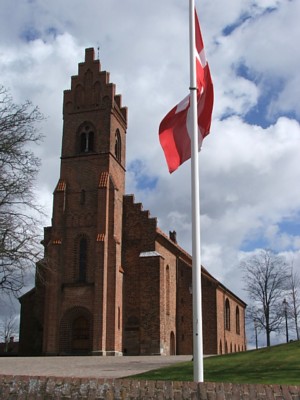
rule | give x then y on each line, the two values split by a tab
111	282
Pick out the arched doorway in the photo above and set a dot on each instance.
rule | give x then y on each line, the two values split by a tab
76	331
80	335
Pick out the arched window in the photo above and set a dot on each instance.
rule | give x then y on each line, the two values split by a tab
82	259
168	290
86	138
118	145
227	315
119	318
237	320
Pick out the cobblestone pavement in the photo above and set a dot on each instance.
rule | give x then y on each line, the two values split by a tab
91	367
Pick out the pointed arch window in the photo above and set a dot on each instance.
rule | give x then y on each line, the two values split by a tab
237	320
83	246
118	145
227	315
119	318
168	290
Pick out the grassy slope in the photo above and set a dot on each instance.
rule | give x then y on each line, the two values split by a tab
274	365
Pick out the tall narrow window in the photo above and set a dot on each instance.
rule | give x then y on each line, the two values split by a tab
82	259
227	315
118	145
237	320
168	290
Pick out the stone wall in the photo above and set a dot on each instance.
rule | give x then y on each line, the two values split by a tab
46	388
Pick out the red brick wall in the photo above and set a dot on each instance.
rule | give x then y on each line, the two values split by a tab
141	277
230	341
184	309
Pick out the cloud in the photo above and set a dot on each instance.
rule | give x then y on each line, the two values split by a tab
249	163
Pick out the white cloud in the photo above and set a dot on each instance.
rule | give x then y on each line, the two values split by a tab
249	171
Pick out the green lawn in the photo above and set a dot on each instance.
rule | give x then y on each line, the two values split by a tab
275	365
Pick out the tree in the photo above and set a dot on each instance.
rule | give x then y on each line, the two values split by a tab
8	328
294	300
18	210
266	276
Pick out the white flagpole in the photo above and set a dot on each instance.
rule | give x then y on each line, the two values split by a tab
196	266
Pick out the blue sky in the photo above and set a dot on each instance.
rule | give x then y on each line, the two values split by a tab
249	164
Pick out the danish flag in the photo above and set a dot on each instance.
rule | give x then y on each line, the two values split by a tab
174	130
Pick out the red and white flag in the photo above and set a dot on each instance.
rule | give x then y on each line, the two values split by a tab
174	129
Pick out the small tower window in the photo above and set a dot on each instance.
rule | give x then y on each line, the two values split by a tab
118	145
86	139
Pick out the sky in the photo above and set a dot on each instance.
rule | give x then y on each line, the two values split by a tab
249	164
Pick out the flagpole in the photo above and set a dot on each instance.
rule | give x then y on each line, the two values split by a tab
196	265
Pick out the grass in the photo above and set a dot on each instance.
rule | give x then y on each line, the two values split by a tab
274	365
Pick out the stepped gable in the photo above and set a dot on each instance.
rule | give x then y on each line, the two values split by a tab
137	223
91	89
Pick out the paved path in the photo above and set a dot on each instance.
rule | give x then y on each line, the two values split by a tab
91	367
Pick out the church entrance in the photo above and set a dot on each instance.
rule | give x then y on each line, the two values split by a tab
80	335
76	332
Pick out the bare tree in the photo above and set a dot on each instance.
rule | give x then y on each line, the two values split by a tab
266	276
294	299
8	328
18	210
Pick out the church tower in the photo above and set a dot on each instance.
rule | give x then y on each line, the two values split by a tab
84	290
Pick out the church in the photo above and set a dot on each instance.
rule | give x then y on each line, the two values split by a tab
111	282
